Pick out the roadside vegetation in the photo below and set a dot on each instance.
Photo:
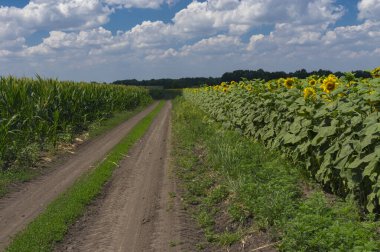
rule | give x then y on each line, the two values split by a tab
40	116
244	195
330	126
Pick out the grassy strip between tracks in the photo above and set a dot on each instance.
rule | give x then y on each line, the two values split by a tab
30	169
51	226
99	128
245	197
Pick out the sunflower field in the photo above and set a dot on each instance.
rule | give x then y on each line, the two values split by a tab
38	112
329	125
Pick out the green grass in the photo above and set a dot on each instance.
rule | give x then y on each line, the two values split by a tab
24	173
235	187
51	226
19	175
117	118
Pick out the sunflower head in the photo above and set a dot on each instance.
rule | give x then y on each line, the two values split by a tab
351	83
280	82
312	82
268	86
309	92
376	72
330	83
289	82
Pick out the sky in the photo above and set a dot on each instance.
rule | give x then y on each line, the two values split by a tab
107	40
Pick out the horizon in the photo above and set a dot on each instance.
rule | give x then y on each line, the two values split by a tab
183	77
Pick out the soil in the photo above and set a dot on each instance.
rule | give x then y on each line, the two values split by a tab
21	206
140	208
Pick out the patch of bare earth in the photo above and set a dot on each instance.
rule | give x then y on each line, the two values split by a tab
253	240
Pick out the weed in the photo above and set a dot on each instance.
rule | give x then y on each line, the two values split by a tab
260	190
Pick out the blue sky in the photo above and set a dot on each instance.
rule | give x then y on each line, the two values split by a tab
105	40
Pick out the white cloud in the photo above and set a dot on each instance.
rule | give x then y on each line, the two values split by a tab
5	53
52	15
210	47
214	45
205	38
253	40
13	44
72	44
62	15
200	20
151	34
154	4
369	9
58	39
230	15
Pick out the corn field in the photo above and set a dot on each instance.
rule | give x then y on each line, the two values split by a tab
40	112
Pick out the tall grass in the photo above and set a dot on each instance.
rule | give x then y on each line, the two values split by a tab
236	188
39	112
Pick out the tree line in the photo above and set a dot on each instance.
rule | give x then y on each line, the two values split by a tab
236	75
171	83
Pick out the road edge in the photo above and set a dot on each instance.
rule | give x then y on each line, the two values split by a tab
52	224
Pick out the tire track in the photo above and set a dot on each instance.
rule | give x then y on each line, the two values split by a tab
138	210
19	208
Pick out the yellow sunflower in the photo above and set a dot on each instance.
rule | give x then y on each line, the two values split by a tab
268	85
376	72
309	92
312	82
289	82
330	83
280	82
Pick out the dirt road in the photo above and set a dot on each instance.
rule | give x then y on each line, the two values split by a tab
17	209
139	209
